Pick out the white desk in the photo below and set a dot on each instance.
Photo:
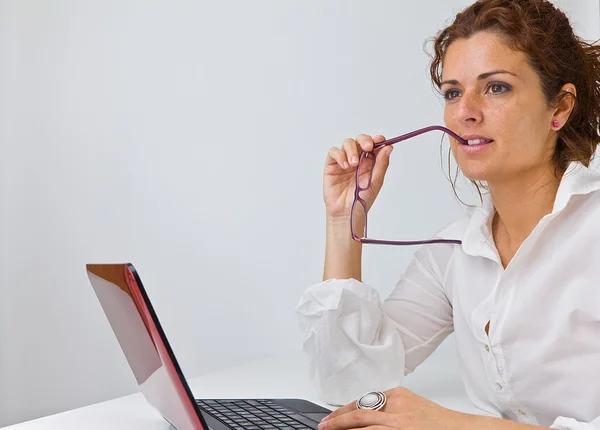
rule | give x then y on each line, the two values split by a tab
282	376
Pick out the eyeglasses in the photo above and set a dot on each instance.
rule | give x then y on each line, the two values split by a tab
367	161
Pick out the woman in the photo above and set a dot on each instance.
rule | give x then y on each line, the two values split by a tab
522	291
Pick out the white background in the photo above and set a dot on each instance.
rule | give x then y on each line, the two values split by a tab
188	137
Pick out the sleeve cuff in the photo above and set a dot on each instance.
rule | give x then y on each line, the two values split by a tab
564	423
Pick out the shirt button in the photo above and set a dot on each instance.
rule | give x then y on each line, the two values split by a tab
487	348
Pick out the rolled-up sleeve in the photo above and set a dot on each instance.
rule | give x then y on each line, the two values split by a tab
357	343
563	423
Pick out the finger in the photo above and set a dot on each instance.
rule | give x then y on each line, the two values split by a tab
359	418
343	410
377	428
394	392
379	138
351	148
365	142
337	156
382	162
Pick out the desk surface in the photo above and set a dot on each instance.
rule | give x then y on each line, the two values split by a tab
281	376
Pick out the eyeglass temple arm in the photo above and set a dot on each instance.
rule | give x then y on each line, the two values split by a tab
416	133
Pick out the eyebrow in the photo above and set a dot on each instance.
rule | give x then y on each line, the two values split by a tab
481	77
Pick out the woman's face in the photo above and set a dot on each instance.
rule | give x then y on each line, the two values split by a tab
494	95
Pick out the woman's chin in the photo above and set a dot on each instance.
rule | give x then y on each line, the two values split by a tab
474	169
475	174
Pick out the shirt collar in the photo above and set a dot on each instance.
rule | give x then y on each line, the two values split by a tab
577	180
475	230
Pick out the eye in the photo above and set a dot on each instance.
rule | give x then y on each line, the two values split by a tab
451	94
497	88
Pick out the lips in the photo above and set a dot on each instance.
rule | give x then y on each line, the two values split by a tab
474	139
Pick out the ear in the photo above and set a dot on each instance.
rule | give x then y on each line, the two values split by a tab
564	107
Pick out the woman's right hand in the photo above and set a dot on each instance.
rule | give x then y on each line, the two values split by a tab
339	178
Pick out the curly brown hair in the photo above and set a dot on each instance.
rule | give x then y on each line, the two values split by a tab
554	51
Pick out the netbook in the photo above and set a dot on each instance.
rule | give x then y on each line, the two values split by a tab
138	331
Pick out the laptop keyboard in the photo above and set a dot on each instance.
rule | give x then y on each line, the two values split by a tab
255	415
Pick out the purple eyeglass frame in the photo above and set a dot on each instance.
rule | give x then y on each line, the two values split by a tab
358	189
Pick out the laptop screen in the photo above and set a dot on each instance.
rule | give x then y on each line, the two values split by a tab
138	331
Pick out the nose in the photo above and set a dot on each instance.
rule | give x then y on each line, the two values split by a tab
469	109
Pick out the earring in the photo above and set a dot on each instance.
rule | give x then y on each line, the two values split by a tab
555	124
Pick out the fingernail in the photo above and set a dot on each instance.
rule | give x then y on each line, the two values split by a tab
325	419
323	425
346	165
354	159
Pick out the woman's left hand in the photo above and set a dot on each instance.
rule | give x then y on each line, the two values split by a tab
403	410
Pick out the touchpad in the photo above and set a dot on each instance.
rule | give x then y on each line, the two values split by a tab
315	416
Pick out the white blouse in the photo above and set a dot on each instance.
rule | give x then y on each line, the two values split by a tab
540	362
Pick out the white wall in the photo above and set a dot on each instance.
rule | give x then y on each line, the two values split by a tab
189	138
584	16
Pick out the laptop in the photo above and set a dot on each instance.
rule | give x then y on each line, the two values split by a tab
143	341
